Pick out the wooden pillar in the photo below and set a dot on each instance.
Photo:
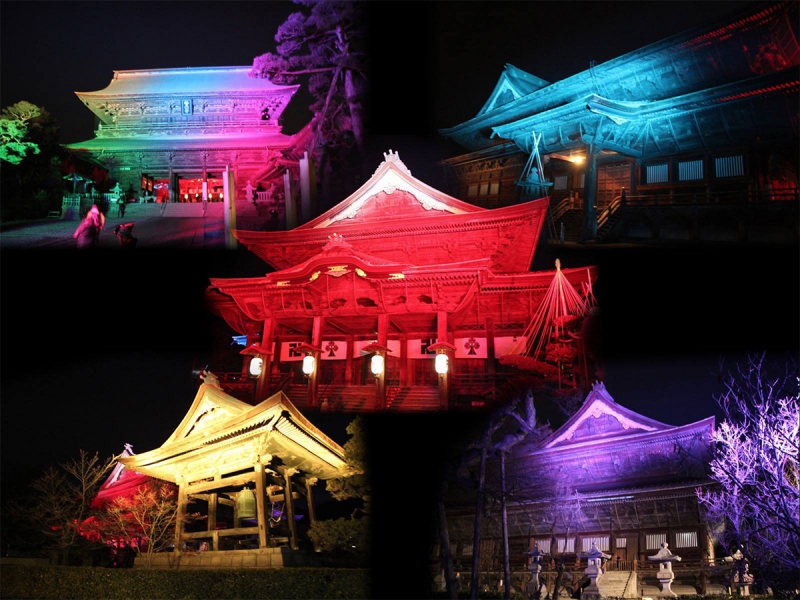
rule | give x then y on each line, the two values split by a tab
380	388
403	360
287	497
589	232
313	379
276	360
262	384
261	500
205	178
312	515
170	179
441	333
348	362
212	511
491	367
180	515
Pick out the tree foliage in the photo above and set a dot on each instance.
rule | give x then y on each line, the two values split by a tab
349	534
57	510
324	43
32	182
756	506
14	122
144	521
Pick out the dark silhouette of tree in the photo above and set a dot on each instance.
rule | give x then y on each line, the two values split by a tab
349	534
59	506
31	179
504	429
325	44
756	507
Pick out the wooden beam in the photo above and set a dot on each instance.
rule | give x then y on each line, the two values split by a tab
221	533
206	486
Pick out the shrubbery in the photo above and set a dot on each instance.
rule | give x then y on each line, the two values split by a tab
56	583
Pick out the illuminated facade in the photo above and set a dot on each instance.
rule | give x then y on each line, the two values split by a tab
700	130
170	133
402	271
636	480
225	449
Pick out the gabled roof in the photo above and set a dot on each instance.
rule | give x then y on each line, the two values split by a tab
700	58
513	84
617	421
367	204
398	218
221	431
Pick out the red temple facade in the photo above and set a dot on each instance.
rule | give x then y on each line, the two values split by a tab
364	297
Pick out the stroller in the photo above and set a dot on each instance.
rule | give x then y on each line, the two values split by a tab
124	234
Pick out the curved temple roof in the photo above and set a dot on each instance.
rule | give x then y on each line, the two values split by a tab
222	432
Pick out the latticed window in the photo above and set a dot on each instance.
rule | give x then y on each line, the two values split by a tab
467	550
690	170
729	166
473	190
657	173
484	189
543	545
621	542
600	541
581	180
560	182
686	539
494	188
570	545
654	540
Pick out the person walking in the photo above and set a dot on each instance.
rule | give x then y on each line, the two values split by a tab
87	235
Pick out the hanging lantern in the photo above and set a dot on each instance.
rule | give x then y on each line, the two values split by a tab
256	364
246	503
308	364
376	364
441	363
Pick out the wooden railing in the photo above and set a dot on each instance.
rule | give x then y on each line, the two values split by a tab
737	197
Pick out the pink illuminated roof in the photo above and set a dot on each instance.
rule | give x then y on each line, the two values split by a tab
189	80
398	218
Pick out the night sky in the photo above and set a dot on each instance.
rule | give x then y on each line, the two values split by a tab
98	351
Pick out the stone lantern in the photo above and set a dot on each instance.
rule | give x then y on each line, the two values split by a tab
536	587
742	579
594	571
665	575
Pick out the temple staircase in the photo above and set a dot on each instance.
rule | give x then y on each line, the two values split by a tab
619	584
414	399
572	220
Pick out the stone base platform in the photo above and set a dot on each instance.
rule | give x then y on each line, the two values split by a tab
261	558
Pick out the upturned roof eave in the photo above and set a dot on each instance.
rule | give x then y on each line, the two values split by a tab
266	413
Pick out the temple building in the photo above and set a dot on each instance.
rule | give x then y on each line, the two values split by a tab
252	467
401	298
693	138
167	135
609	477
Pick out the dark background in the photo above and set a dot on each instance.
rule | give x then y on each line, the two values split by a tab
102	350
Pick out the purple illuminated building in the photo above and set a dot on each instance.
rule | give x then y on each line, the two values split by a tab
609	477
